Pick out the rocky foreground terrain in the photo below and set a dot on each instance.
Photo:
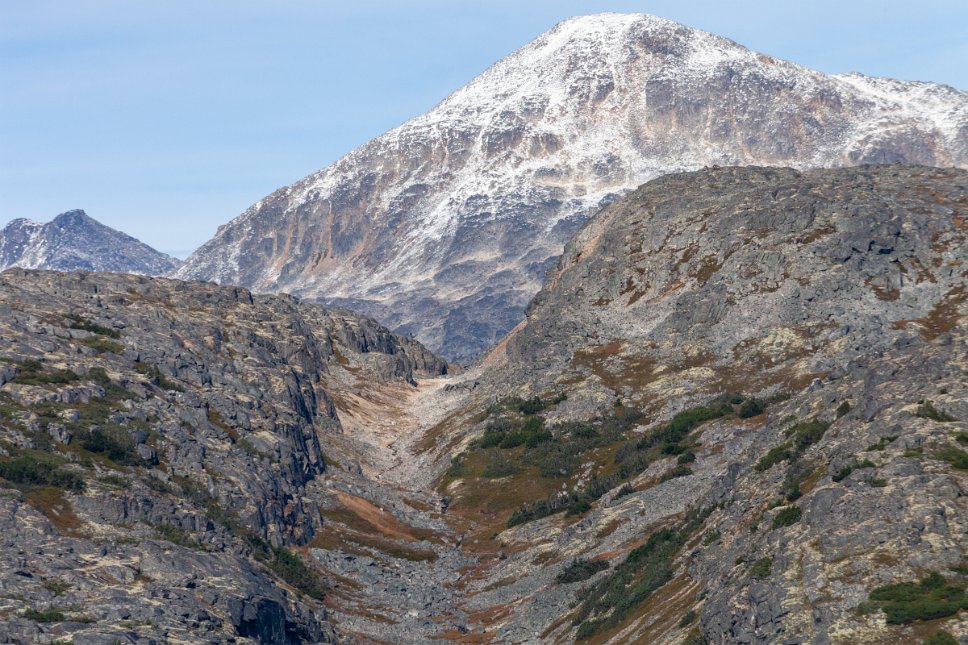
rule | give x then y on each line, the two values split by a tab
444	227
735	413
74	241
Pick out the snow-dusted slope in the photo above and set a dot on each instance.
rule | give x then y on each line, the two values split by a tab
73	241
443	227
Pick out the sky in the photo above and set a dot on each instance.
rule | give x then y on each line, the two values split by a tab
168	119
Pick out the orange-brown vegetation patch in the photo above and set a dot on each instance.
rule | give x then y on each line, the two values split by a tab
942	318
613	369
882	292
52	503
657	619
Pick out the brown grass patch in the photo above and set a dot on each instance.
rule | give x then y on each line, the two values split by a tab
943	317
51	502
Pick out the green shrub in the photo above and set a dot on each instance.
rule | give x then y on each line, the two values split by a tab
882	443
928	599
155	376
56	587
39	471
800	437
535	404
32	373
927	411
787	516
499	466
176	535
78	322
806	434
962	437
843	409
682	424
957	457
580	569
761	568
695	638
114	442
579	506
45	616
878	483
941	638
645	569
686	458
626	489
287	565
843	473
751	408
115	481
102	345
773	457
687	619
678	471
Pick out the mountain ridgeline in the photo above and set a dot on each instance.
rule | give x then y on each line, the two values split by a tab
73	241
443	228
735	413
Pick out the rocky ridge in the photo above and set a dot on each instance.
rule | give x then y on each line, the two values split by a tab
74	241
444	227
777	355
167	441
735	413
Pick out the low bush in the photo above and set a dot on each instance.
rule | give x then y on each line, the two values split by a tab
787	516
114	442
288	566
45	616
103	345
33	373
644	570
761	568
687	619
799	438
930	598
499	466
926	410
580	569
39	471
956	457
79	322
751	408
941	638
844	472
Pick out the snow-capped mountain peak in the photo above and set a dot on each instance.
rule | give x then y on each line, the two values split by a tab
72	241
443	226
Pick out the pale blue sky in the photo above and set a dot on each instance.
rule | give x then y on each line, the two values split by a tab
166	119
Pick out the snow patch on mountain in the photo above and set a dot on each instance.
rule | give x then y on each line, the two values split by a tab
74	241
443	226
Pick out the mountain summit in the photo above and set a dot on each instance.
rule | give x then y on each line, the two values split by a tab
445	226
73	241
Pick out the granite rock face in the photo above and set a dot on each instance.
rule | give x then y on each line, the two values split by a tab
443	227
168	440
73	241
829	307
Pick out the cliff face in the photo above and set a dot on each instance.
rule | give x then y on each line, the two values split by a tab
134	410
444	226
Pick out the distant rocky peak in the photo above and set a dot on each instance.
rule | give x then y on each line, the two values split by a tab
75	241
